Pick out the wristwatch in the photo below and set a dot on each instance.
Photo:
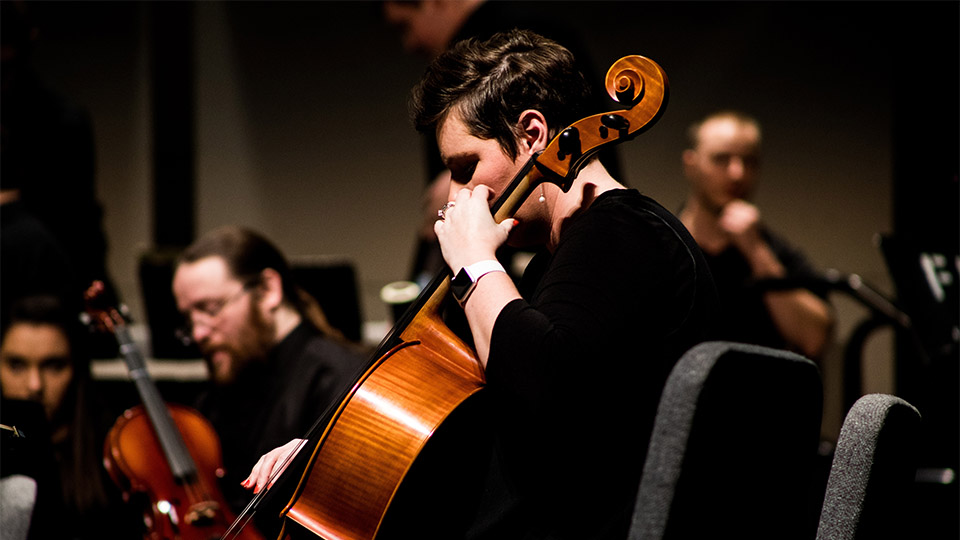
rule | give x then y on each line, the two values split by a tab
466	279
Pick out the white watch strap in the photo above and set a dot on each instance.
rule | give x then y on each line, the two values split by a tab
479	269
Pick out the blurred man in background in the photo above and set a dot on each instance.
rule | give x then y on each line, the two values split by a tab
748	261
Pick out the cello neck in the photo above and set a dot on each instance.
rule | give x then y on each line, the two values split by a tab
430	301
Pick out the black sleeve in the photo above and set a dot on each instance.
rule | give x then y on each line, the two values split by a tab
619	284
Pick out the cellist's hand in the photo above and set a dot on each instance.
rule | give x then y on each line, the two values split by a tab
272	464
468	232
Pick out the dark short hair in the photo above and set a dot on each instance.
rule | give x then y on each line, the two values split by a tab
491	82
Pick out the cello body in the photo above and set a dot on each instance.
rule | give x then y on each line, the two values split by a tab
378	432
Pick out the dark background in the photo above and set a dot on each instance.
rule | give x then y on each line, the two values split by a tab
290	117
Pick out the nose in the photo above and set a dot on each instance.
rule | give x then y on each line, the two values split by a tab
452	190
34	381
737	169
200	331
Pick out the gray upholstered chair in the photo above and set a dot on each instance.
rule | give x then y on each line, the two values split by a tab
734	447
873	469
18	495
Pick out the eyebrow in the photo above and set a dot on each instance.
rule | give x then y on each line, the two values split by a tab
199	305
47	361
454	159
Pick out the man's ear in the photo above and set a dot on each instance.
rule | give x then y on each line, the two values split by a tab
534	135
271	289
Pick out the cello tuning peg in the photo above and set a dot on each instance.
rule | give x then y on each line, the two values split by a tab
615	121
568	143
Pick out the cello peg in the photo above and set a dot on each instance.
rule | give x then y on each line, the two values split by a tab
569	143
614	121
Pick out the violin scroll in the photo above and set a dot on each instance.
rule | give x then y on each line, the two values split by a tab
98	313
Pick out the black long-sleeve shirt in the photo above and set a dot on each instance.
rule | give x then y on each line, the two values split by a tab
274	402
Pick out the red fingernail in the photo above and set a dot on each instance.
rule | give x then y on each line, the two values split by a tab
515	223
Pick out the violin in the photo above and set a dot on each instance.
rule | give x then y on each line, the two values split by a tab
364	446
169	453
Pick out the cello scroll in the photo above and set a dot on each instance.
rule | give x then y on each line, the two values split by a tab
634	81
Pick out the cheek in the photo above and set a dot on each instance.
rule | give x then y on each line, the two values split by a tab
12	385
239	330
497	175
713	180
56	386
234	322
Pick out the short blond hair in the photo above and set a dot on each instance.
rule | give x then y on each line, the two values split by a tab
693	132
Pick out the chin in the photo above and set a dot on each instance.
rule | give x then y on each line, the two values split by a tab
222	378
222	374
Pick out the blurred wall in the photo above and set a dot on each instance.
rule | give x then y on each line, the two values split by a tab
302	132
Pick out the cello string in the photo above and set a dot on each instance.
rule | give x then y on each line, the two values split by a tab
390	340
247	514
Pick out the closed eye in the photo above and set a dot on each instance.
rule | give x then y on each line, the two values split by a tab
462	172
15	363
208	307
55	364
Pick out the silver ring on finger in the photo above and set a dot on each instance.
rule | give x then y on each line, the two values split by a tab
443	210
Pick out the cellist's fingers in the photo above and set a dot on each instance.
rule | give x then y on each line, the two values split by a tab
270	465
251	481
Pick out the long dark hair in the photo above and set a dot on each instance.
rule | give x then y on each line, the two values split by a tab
80	455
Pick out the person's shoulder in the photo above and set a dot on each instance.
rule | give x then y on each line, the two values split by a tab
629	198
780	245
626	225
618	203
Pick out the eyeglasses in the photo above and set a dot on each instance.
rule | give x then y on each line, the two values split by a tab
206	314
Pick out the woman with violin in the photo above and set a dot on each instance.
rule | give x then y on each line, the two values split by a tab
43	362
575	358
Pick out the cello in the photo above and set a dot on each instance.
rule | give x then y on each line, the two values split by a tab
364	448
170	453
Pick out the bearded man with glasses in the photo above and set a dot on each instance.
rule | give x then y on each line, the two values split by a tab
274	361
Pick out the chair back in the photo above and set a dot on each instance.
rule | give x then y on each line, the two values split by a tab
873	469
734	447
18	495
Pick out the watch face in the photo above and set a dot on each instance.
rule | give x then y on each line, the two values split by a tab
460	285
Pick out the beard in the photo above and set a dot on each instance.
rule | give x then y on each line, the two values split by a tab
227	361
